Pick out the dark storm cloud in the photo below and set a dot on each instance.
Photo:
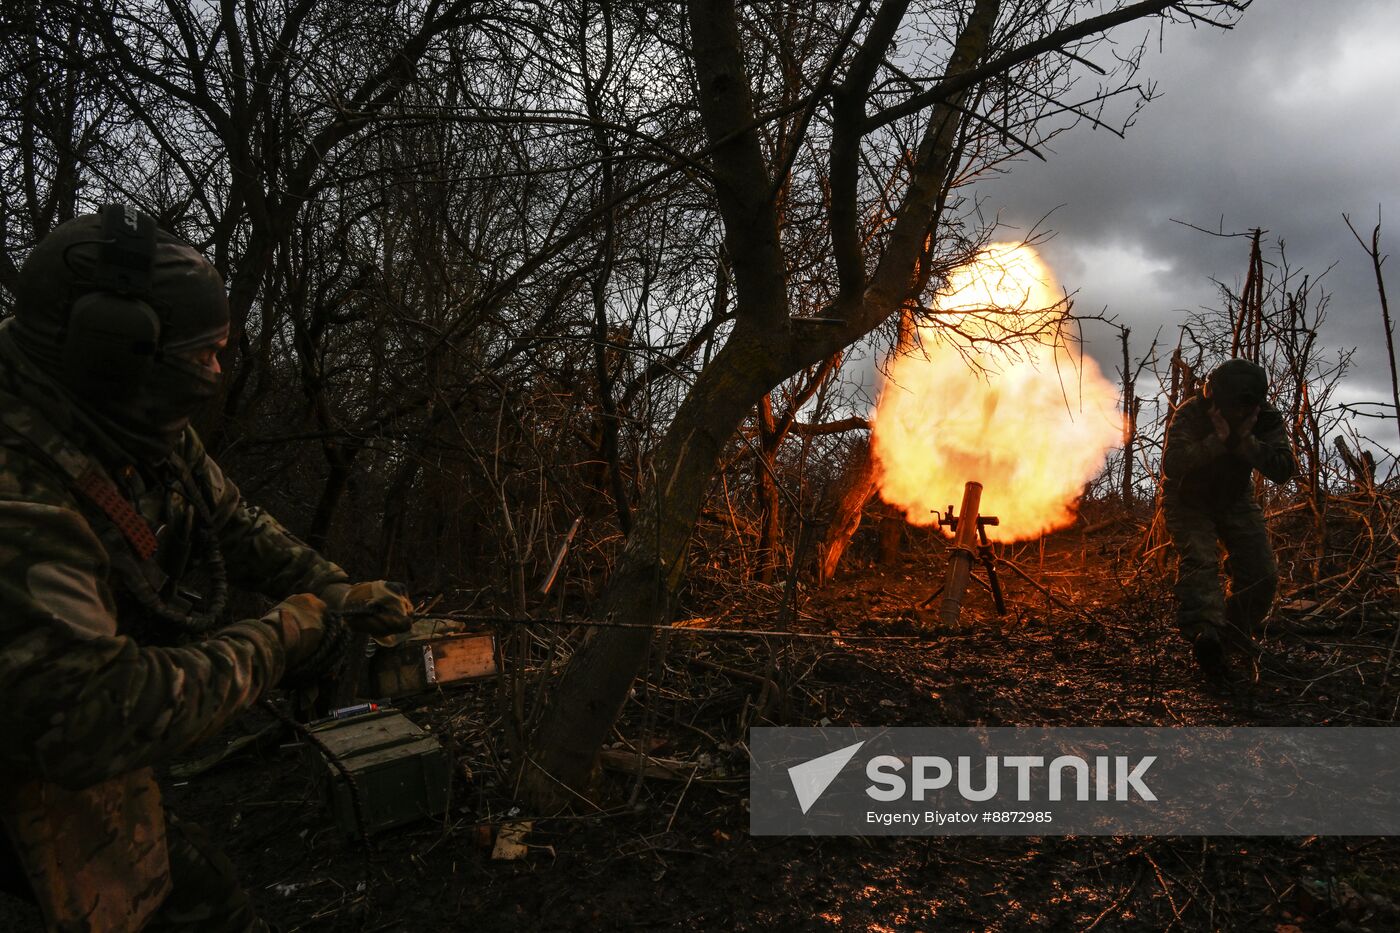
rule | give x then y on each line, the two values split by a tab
1283	123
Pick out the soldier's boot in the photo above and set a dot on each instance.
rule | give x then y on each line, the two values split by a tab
1210	655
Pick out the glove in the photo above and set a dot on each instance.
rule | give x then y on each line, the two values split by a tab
378	609
301	620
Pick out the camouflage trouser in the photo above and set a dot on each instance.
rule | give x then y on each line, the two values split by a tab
204	893
1249	560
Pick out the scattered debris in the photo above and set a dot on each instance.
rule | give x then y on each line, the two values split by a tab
510	841
1109	656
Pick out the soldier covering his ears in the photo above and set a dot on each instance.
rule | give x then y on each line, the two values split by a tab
1215	442
110	511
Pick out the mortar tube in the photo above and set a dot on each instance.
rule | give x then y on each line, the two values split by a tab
959	571
963	554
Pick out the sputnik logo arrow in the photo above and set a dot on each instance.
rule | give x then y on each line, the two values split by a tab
811	778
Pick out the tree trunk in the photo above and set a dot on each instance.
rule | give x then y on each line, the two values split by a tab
1130	412
766	487
1361	466
860	482
848	506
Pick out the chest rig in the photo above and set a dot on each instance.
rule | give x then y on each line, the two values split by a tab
148	567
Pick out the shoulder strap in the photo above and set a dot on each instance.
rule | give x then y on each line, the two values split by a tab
86	478
100	491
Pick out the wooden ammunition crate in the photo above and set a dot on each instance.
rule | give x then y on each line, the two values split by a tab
426	661
402	773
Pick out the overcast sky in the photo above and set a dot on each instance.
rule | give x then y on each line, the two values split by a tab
1284	123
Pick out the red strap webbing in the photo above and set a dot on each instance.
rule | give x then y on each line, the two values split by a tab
101	493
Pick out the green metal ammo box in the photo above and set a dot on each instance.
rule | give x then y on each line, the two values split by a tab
402	773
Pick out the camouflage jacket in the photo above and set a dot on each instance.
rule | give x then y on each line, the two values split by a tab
88	700
1198	468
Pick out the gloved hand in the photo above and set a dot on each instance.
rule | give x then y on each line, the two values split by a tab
377	608
301	620
1244	429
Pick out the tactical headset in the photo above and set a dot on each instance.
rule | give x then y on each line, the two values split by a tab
113	334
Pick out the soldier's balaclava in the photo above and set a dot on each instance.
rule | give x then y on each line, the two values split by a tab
1237	384
147	413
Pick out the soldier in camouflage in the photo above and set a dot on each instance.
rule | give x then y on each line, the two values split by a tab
1215	442
110	513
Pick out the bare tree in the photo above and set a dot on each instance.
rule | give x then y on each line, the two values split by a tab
1373	249
874	278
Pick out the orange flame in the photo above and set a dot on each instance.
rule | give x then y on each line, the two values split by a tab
1030	420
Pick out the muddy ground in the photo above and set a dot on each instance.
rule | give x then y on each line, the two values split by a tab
671	851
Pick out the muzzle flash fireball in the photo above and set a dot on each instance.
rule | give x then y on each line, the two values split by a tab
992	390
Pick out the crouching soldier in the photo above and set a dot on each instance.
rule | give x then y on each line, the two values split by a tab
112	519
1215	442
